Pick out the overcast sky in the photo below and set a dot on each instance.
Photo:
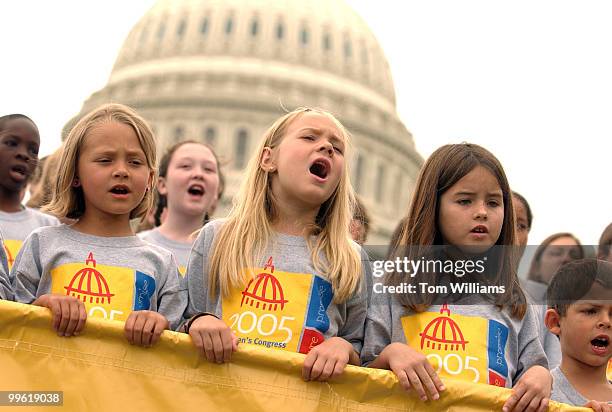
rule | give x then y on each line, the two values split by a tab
530	80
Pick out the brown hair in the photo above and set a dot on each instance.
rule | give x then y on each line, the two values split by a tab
574	280
533	269
605	242
445	167
47	176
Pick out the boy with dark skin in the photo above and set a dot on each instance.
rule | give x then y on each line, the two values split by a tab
19	143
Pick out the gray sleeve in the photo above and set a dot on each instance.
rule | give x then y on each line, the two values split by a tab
172	299
196	276
530	350
550	342
552	349
377	327
356	309
27	270
6	291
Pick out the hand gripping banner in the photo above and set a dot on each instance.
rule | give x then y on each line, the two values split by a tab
100	370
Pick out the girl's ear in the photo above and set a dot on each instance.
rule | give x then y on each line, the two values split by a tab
267	161
161	186
150	185
552	321
76	182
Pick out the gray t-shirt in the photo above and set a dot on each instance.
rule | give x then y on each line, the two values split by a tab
536	295
287	305
469	340
6	292
113	276
16	227
550	342
564	391
180	250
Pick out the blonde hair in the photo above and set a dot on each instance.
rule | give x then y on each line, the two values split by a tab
247	231
69	201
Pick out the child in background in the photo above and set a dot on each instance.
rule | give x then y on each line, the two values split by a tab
604	250
98	267
189	185
19	143
360	224
462	200
555	251
524	219
291	219
42	190
580	314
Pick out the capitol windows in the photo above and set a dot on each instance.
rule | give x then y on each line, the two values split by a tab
143	36
280	31
326	42
180	30
204	26
210	135
240	149
229	25
178	133
358	174
364	53
397	191
160	32
254	28
348	50
304	37
380	183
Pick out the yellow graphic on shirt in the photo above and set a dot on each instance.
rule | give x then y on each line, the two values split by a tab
11	248
182	270
109	292
280	310
461	347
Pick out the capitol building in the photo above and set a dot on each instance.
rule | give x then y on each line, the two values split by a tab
222	71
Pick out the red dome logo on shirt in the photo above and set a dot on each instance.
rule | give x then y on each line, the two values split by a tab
264	291
443	333
89	283
9	257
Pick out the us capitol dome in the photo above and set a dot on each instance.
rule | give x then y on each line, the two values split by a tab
223	70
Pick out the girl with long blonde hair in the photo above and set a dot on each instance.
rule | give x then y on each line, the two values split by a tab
281	271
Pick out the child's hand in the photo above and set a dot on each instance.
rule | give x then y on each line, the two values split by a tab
532	392
598	406
413	370
69	313
213	338
144	327
328	359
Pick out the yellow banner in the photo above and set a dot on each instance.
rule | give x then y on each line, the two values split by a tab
99	370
